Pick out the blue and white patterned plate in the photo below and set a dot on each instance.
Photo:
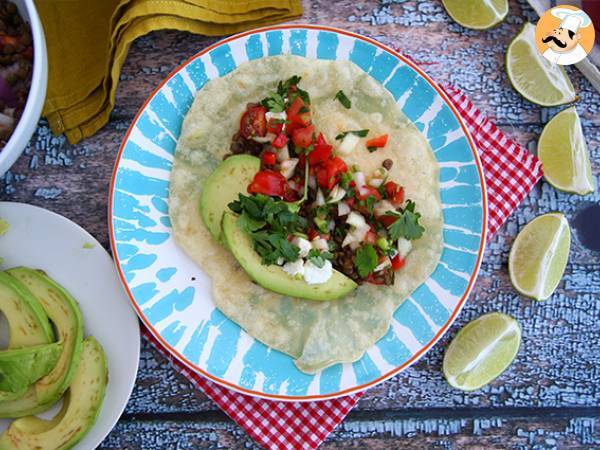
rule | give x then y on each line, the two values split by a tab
178	309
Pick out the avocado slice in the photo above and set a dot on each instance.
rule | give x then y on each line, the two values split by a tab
64	312
78	414
21	367
27	321
273	277
223	186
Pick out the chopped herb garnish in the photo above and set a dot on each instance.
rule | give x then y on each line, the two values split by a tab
318	258
269	222
284	87
372	149
275	102
365	260
343	98
359	133
407	225
304	109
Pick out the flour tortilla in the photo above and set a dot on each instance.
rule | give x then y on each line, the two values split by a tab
316	334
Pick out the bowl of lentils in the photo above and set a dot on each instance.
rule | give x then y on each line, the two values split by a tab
23	77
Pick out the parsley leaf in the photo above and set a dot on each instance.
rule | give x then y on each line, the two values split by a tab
365	260
359	133
407	225
284	87
274	103
343	98
318	258
372	149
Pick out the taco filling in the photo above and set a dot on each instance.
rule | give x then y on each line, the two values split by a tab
309	211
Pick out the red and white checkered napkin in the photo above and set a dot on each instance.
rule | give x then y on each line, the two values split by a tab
510	174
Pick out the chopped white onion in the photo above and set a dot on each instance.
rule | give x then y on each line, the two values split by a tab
359	179
320	244
303	244
404	247
320	201
381	207
287	167
336	194
343	209
331	226
312	182
264	139
375	182
356	220
386	262
276	115
380	173
348	144
283	153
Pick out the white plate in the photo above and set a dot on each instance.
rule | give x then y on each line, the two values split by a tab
44	240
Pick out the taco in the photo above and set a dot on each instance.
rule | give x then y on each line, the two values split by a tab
311	202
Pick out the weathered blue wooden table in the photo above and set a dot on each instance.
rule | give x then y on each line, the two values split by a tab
548	398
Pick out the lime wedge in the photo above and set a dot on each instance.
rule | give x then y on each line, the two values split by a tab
533	76
539	256
477	14
564	154
481	351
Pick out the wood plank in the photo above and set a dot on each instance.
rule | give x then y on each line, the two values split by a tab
548	431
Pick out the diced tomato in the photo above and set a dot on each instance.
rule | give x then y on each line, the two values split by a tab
303	137
328	172
368	191
280	141
274	126
269	158
371	237
321	153
313	234
397	262
390	189
350	201
398	198
394	193
268	182
387	220
254	122
296	118
353	183
289	194
371	279
378	142
321	139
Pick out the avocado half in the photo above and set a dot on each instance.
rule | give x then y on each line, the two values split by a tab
64	312
231	178
273	277
78	414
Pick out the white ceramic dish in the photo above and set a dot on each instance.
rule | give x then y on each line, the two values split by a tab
37	94
42	239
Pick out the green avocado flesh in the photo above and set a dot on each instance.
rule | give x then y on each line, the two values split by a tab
273	277
21	367
78	414
28	323
223	186
64	312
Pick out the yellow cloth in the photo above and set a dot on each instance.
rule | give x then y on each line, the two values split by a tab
88	42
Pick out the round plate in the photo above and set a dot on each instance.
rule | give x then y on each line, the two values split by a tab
175	303
44	240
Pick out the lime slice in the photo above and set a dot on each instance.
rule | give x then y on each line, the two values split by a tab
533	76
539	256
564	154
478	14
481	351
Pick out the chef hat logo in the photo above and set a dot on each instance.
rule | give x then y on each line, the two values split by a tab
565	35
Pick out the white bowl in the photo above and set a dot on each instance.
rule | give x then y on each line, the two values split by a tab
37	93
